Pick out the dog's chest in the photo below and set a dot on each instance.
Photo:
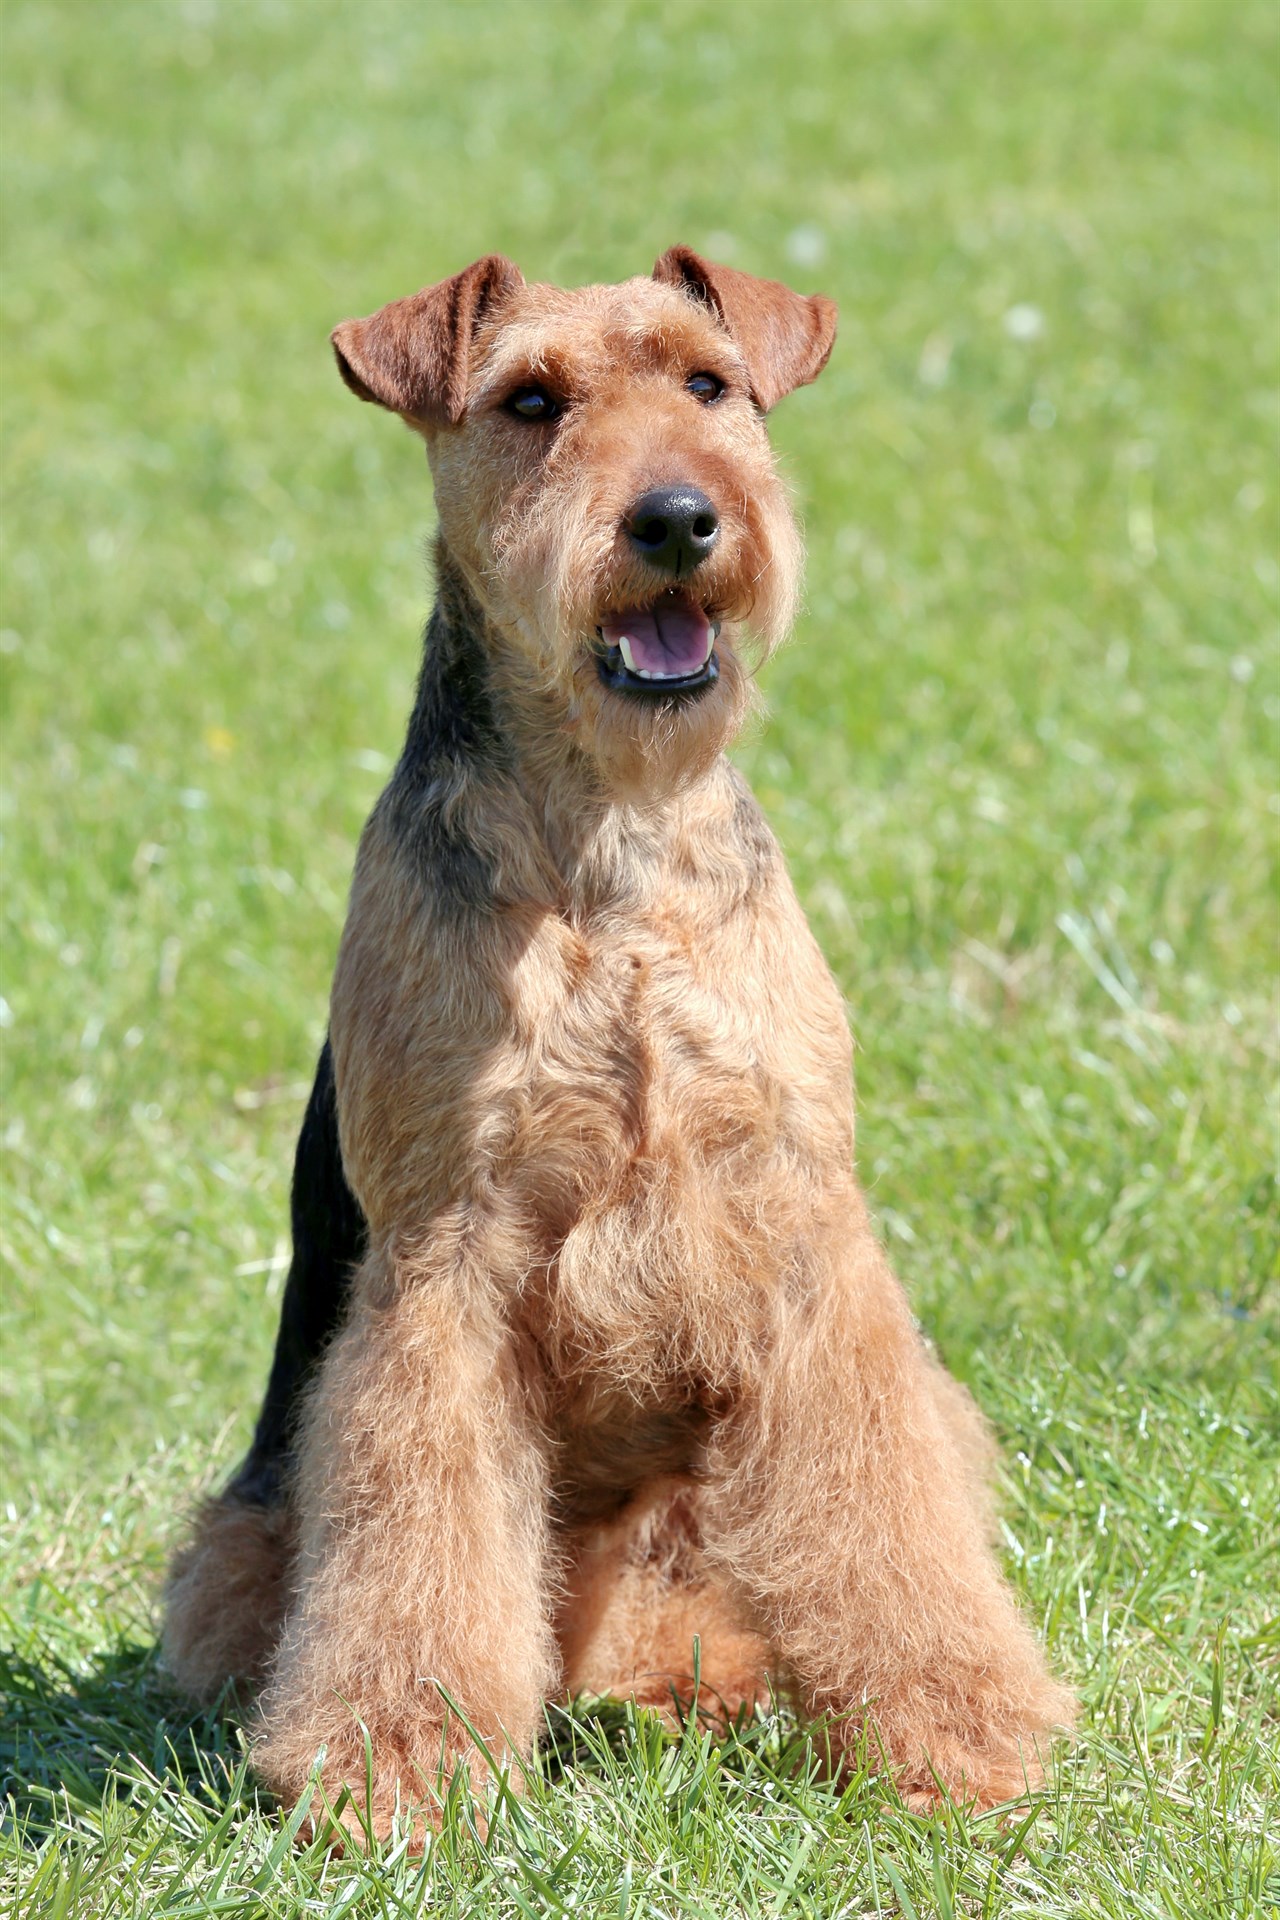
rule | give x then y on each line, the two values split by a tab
630	1073
678	1114
635	1047
671	1065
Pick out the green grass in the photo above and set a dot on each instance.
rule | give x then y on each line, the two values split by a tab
1023	758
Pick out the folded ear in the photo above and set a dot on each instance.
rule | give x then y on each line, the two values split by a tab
784	337
412	356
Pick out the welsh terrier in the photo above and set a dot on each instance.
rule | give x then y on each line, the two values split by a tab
588	1346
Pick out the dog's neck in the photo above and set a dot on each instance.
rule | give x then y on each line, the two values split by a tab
489	748
456	714
479	701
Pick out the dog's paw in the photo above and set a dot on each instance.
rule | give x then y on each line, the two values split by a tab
972	1779
348	1821
360	1797
969	1766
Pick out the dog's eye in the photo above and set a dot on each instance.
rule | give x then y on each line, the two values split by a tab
705	387
532	403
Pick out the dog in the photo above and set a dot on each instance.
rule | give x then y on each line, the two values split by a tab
588	1346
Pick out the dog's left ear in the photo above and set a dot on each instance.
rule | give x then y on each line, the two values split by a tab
412	356
785	338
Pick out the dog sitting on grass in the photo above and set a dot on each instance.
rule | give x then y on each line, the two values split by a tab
588	1346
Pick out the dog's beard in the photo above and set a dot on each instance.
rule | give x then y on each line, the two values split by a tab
560	588
648	749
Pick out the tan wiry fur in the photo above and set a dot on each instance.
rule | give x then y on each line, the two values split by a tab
638	1592
228	1594
624	1361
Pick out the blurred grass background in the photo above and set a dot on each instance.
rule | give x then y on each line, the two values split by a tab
1022	755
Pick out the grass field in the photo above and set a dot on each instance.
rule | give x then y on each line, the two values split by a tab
1022	755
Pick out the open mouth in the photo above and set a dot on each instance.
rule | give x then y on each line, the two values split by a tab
665	648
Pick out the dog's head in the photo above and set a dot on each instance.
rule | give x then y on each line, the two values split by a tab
604	479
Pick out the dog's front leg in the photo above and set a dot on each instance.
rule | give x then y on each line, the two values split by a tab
843	1501
422	1502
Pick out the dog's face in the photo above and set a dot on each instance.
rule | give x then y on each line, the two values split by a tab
604	478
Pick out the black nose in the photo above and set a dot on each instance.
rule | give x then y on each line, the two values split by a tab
674	527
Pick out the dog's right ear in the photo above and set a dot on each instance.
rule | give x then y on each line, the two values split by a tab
412	356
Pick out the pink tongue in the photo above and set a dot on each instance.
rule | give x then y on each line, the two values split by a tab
671	640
